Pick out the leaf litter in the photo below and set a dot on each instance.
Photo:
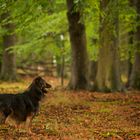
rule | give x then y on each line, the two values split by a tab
79	115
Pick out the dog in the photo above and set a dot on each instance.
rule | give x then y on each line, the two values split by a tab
23	107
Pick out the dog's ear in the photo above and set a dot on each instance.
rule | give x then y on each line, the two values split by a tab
38	78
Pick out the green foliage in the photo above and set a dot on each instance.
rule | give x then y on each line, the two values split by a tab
91	16
39	24
127	23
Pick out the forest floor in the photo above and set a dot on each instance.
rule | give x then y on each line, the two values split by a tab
81	115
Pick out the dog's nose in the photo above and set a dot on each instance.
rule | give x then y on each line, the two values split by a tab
48	85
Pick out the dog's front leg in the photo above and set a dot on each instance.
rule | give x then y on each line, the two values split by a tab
28	123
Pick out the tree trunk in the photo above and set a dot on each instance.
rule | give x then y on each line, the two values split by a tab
8	69
130	65
78	45
108	72
92	74
135	75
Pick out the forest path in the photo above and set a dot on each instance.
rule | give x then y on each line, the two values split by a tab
81	115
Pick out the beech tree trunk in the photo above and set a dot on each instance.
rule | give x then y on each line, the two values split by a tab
8	69
92	74
78	45
135	75
108	71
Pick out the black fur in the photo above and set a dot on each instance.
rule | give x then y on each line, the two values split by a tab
20	106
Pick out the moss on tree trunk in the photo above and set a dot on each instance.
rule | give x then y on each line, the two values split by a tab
135	75
108	72
8	69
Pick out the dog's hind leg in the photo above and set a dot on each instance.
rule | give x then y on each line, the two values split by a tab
2	118
7	112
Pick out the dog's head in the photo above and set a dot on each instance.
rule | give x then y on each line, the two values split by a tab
41	84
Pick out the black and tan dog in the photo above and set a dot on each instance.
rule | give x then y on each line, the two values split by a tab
23	107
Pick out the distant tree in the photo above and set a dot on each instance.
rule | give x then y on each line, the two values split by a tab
108	73
127	27
135	75
78	46
8	68
92	74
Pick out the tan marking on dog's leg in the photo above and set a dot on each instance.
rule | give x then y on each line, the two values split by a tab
28	123
8	120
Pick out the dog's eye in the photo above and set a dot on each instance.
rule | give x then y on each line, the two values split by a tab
42	84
